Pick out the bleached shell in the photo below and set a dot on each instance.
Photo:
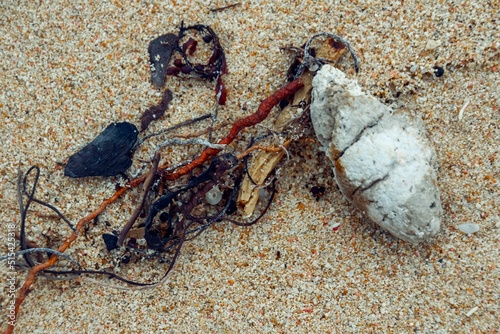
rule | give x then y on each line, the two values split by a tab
468	228
214	195
383	161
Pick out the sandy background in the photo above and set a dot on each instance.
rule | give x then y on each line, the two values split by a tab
70	70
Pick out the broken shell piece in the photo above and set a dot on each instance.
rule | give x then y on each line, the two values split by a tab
468	228
432	44
383	161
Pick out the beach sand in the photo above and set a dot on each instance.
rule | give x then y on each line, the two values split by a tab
310	265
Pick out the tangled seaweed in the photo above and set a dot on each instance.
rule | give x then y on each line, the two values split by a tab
183	223
162	48
174	213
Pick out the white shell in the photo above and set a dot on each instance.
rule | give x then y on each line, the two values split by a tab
213	196
383	161
468	228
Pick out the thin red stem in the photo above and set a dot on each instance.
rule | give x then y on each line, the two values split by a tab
262	112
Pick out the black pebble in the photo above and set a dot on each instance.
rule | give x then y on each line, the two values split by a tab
438	71
111	241
125	259
318	191
109	154
160	50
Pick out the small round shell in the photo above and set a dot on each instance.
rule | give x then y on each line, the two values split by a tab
214	196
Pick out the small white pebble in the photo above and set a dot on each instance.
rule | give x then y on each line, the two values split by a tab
468	228
63	263
432	44
472	311
214	196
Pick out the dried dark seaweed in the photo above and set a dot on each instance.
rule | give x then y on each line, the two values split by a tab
27	246
190	46
147	185
219	9
157	111
109	154
310	61
216	65
110	240
156	238
182	212
160	50
213	69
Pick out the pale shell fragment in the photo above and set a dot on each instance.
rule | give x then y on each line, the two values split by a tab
468	228
383	161
472	311
461	112
432	44
214	196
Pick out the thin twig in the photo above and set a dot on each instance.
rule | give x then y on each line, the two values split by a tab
176	141
265	148
218	9
147	185
53	208
202	132
175	127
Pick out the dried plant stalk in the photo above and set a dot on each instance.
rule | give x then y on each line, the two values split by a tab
265	161
262	165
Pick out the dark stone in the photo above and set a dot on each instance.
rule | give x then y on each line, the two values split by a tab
109	154
125	259
111	241
438	71
318	191
160	50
